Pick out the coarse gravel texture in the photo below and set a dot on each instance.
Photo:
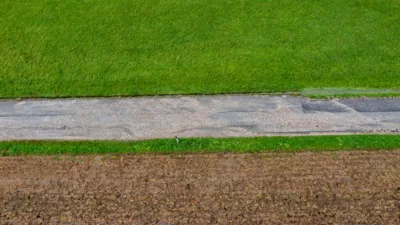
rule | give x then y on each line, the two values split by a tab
194	116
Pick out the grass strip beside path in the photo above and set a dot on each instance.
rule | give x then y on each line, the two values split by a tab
205	145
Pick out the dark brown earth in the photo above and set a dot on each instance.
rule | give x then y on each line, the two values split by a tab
301	188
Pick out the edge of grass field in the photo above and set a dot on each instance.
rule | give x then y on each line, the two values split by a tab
204	145
116	96
342	96
333	92
305	93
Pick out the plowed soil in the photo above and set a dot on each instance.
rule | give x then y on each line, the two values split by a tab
301	188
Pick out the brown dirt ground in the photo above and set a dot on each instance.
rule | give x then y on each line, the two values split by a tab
302	188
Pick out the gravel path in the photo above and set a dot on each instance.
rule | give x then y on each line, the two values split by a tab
194	116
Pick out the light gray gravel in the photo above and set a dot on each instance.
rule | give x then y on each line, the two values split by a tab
194	116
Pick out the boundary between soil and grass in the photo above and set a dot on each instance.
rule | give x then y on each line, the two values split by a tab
204	145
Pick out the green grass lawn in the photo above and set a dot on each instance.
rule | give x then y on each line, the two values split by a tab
56	48
205	145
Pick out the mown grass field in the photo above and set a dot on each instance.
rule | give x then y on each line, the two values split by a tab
58	48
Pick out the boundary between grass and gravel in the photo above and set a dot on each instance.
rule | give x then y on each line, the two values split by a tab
326	93
204	145
313	93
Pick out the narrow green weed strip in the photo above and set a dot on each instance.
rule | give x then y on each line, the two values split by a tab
205	145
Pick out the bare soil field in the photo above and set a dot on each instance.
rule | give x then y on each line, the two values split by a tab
302	188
